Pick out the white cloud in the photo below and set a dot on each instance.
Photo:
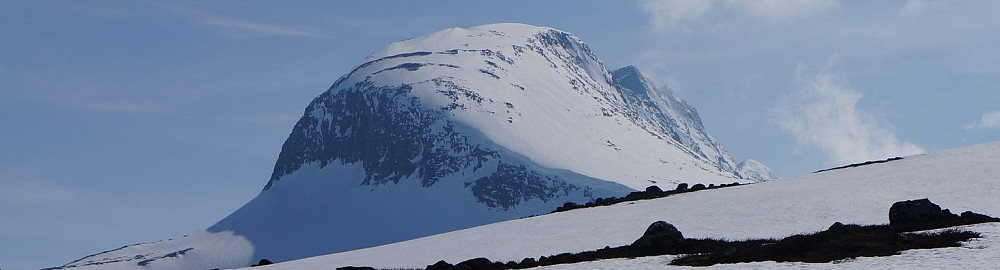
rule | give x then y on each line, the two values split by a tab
126	107
89	102
671	14
34	193
823	113
668	15
263	28
209	19
782	10
990	120
914	8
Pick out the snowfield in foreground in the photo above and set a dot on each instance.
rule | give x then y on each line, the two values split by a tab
958	179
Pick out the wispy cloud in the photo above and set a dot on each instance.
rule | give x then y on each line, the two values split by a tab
89	102
209	19
264	28
668	15
127	107
671	14
918	7
989	120
34	193
782	10
823	113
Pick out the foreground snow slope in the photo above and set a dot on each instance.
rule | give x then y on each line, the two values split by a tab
959	179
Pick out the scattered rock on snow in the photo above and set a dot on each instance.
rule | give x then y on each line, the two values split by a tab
262	262
440	265
922	210
477	263
659	234
355	268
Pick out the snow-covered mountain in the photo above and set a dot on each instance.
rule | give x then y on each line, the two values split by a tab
962	179
752	169
459	128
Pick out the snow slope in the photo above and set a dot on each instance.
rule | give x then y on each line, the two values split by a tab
455	129
959	179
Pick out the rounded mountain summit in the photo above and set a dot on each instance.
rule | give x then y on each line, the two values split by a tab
455	129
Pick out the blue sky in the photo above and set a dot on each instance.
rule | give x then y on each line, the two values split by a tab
136	121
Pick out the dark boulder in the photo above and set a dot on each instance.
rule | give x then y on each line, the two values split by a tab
528	262
682	187
653	190
262	262
697	187
561	258
440	265
635	195
969	216
916	211
836	225
567	206
660	234
840	227
477	263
